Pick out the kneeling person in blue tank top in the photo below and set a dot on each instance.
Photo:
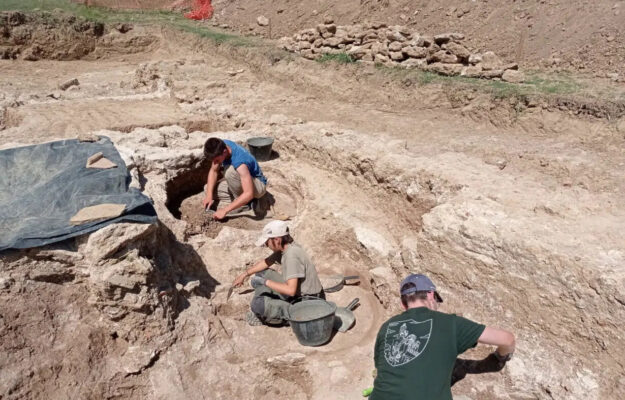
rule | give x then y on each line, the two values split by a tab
242	182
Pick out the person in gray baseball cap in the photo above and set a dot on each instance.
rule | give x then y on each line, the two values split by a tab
273	291
415	351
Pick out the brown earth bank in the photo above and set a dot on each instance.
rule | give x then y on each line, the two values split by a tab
58	36
515	210
573	35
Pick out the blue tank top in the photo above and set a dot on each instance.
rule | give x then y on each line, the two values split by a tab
241	156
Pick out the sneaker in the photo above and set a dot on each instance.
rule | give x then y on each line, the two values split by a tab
261	206
252	319
241	210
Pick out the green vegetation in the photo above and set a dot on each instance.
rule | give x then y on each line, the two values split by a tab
341	58
545	84
163	18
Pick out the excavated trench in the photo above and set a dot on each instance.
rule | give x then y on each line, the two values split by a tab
357	212
185	193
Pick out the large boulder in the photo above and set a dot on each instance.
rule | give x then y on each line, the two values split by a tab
109	240
490	61
414	63
491	73
332	42
326	30
475	58
458	50
443	57
395	46
446	37
359	51
472	71
379	48
445	69
380	58
513	76
396	55
395	36
415	52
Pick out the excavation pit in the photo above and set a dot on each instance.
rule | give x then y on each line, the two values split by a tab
185	195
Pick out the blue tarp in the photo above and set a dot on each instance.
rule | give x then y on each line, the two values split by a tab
43	186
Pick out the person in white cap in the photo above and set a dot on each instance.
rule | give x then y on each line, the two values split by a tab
274	292
415	352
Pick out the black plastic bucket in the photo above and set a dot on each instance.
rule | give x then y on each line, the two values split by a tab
260	147
312	321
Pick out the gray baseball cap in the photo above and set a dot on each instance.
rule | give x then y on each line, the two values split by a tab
421	284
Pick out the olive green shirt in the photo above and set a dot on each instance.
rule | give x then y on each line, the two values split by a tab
415	354
296	264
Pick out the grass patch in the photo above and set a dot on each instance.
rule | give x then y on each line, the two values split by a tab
216	36
554	84
545	84
148	17
341	58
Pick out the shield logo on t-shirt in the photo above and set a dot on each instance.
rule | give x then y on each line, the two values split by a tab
406	340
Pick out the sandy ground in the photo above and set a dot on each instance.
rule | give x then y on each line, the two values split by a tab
517	216
574	35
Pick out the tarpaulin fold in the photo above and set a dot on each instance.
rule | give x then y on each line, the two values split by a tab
43	186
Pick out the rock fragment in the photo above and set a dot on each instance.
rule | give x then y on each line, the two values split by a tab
287	359
67	84
513	76
262	20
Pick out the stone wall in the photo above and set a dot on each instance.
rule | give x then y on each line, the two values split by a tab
399	46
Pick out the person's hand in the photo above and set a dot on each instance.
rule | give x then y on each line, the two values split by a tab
207	202
220	214
493	363
238	281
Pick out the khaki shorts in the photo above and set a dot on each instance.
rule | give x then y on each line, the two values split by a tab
233	181
230	187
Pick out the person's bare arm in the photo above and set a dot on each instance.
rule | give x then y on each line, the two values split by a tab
503	339
244	198
259	266
211	181
289	288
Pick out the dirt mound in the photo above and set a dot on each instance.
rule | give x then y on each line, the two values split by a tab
47	36
574	35
55	36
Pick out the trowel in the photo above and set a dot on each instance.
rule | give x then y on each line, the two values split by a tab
229	292
280	217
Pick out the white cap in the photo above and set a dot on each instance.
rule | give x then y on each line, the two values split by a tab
273	229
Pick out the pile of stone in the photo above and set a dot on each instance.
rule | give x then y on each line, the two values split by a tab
399	46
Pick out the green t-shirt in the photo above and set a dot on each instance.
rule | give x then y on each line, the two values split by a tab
415	354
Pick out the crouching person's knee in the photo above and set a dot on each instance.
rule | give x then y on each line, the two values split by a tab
258	305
